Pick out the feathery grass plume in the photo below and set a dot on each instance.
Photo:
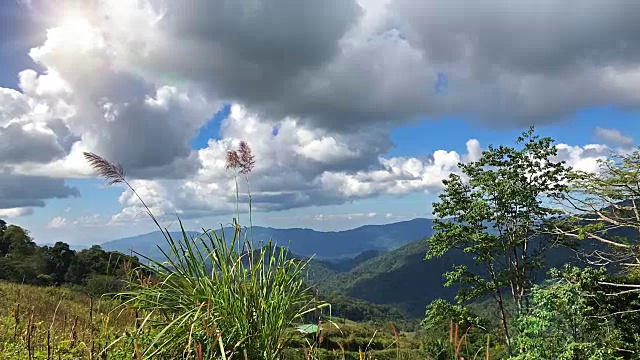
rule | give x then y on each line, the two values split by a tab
247	161
243	162
233	163
241	159
233	160
113	173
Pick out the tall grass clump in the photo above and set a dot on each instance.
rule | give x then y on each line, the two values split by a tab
213	297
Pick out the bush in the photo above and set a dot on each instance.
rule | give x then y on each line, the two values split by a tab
97	285
215	298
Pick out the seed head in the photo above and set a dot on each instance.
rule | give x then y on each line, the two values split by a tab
233	160
241	159
247	161
113	173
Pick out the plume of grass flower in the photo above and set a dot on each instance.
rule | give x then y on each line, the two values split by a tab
242	162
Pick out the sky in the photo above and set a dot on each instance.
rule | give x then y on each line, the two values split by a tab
355	110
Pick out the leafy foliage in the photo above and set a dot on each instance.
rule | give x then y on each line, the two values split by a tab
570	319
497	213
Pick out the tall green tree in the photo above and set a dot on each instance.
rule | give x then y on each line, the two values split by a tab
496	211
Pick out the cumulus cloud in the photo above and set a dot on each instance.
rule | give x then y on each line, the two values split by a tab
392	216
89	220
400	175
348	64
316	88
57	222
286	178
614	137
289	163
90	105
144	126
584	158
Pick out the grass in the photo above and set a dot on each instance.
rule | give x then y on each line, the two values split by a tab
216	298
93	333
57	323
211	298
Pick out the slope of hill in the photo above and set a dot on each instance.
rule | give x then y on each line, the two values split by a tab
404	280
400	278
306	242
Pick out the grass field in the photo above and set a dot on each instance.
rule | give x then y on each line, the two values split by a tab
60	323
57	323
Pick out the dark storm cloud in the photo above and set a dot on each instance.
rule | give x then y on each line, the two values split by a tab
22	191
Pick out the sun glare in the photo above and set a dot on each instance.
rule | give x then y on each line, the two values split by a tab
77	30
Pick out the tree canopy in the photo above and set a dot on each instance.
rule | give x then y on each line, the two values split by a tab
93	269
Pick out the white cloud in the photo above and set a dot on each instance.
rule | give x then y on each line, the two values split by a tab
121	117
286	178
349	216
614	137
57	222
398	217
15	212
398	176
583	158
89	220
325	150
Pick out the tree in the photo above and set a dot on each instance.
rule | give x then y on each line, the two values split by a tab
18	240
58	259
4	243
88	261
497	212
570	319
608	205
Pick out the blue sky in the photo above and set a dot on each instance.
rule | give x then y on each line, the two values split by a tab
354	122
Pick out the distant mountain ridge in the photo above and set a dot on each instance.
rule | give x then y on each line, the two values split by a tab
306	242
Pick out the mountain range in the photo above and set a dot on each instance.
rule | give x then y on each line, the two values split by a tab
333	245
379	264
